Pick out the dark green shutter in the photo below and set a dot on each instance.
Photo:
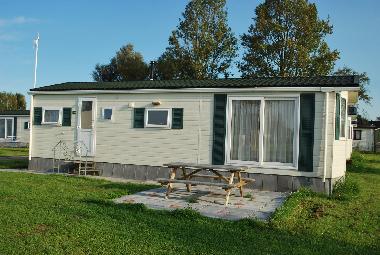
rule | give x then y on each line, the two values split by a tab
337	116
306	135
25	125
37	115
66	118
219	129
177	118
138	117
15	127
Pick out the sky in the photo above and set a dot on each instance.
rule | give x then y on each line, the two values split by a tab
75	35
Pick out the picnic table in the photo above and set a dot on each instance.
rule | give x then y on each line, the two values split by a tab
229	176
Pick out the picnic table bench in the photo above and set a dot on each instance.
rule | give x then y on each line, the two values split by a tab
189	171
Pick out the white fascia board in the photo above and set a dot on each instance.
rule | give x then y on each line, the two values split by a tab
197	90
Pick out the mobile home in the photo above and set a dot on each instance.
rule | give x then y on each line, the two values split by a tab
291	132
14	128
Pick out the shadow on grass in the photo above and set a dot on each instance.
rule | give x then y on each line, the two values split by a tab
189	232
10	163
364	170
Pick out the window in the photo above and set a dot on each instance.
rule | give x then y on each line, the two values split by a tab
51	115
157	117
262	131
26	125
86	117
107	113
6	128
357	134
343	111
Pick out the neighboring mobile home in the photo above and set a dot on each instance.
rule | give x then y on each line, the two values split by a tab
14	128
365	137
291	132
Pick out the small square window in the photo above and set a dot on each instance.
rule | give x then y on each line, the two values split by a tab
107	113
157	118
51	116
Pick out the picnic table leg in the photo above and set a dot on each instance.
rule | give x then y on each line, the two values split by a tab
239	180
231	181
188	186
171	177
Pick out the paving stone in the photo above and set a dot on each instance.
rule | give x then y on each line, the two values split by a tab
209	201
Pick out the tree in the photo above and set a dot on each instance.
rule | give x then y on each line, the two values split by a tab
130	64
106	72
363	82
125	66
12	101
287	39
202	46
362	120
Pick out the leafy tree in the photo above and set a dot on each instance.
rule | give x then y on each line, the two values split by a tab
126	65
107	72
363	82
12	101
202	46
362	120
130	64
287	39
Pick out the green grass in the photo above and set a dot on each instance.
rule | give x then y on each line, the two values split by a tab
13	163
8	163
14	151
54	214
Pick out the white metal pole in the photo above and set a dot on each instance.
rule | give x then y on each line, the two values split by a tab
31	118
35	59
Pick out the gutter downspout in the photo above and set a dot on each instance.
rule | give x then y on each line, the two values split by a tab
325	143
31	117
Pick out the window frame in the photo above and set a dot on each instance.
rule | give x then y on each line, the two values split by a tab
28	125
355	138
103	115
343	122
6	136
261	163
169	118
59	109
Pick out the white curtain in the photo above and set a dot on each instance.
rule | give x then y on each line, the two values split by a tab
279	130
245	130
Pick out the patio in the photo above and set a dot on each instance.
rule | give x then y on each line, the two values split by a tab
209	201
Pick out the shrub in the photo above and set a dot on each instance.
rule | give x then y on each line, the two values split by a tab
357	162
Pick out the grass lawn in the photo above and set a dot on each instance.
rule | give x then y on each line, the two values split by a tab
55	214
8	163
14	152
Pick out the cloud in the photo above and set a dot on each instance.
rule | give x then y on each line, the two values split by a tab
7	37
19	20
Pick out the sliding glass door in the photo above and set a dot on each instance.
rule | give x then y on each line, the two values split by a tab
279	127
245	130
2	129
262	131
6	128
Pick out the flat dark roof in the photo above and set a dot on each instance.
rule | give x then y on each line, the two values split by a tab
316	81
14	113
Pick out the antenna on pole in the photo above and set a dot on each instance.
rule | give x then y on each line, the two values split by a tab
35	45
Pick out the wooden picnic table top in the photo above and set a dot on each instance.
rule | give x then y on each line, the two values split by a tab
228	168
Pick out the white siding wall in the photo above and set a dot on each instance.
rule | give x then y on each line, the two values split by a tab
366	143
118	142
339	148
22	134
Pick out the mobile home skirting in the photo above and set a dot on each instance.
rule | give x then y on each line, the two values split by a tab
269	182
